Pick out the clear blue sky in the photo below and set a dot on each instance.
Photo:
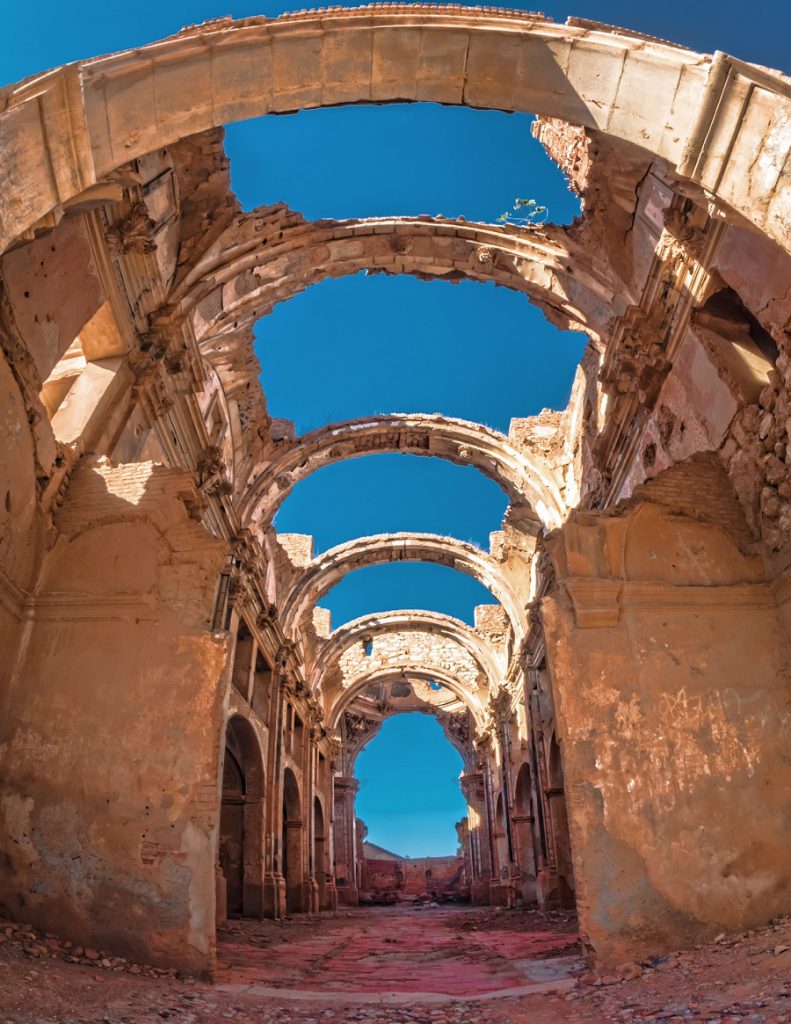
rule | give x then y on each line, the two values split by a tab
403	813
362	345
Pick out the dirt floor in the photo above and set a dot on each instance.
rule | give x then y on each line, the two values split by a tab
401	965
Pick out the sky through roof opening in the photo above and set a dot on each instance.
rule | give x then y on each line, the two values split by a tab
391	493
369	344
397	585
413	158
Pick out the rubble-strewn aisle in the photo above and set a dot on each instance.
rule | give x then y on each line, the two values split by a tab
433	965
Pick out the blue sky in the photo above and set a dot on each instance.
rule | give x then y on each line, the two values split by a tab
373	344
402	812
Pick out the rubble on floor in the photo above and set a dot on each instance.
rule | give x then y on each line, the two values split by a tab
737	979
741	979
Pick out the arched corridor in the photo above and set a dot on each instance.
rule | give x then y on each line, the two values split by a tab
216	621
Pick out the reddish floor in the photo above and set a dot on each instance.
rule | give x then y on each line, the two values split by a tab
740	979
404	952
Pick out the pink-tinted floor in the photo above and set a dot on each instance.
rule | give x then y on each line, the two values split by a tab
401	952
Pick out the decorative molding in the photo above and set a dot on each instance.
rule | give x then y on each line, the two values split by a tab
596	602
599	603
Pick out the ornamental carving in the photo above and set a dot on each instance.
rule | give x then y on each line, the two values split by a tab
133	233
212	472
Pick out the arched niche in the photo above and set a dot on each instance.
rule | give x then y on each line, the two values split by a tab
292	843
242	819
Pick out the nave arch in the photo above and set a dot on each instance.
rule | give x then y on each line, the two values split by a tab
329	568
271	254
529	483
596	621
66	130
370	627
406	671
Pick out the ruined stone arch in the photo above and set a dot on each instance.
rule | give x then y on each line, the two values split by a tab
62	132
372	626
394	672
271	254
357	745
329	568
527	480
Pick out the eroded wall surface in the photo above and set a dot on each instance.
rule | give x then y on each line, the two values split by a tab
670	666
110	737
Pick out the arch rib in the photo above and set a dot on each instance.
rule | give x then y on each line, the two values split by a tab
329	568
392	673
526	479
415	620
64	131
270	255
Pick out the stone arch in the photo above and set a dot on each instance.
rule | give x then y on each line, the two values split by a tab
407	646
371	626
320	850
394	672
501	836
271	254
455	731
524	833
556	798
329	568
293	829
242	818
64	131
526	479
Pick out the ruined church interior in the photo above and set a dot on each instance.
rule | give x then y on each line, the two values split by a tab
180	716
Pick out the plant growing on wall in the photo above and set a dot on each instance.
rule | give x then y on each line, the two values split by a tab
530	212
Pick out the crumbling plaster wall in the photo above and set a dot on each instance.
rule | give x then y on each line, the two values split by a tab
111	728
670	664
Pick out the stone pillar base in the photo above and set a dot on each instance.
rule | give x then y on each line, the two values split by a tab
220	898
552	890
528	889
348	895
501	894
479	892
330	901
274	893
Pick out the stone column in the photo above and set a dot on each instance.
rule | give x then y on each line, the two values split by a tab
309	772
344	793
472	786
274	887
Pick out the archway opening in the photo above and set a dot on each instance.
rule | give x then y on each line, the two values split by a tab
410	804
292	843
320	852
556	796
444	327
240	851
525	834
402	493
395	585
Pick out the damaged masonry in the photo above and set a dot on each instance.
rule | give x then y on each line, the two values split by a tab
179	720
